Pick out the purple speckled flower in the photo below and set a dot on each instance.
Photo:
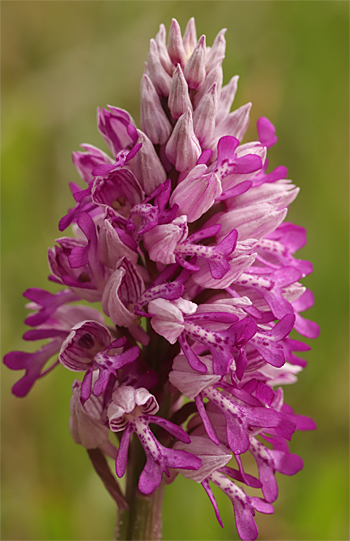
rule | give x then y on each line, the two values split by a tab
179	233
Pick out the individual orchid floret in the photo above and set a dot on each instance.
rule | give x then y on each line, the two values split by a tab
87	422
226	98
304	326
189	39
244	506
182	321
163	51
204	117
169	243
114	243
214	459
51	322
86	161
87	348
124	297
183	148
234	124
45	303
118	191
195	68
269	461
239	418
267	342
132	410
216	53
32	363
154	121
231	162
278	247
121	292
179	99
145	216
196	193
175	44
240	259
214	77
113	126
272	288
146	165
159	76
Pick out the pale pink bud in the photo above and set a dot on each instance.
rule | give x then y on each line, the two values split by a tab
163	51
179	99
147	166
204	117
183	148
111	249
175	45
196	193
160	78
85	424
195	67
227	95
190	37
215	76
217	52
161	241
153	120
234	124
167	319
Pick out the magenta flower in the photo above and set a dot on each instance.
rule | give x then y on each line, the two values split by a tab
179	233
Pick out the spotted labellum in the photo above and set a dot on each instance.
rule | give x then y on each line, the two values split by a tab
179	231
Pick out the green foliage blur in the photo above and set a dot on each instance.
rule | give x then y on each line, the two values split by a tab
60	60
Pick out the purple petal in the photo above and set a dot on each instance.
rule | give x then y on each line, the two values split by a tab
246	527
205	485
122	458
150	477
206	421
266	132
170	427
247	164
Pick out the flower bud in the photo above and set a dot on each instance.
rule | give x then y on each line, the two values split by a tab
204	117
160	78
195	67
215	76
179	99
153	119
183	148
175	45
217	52
190	37
163	51
196	193
147	166
85	423
234	124
227	95
111	248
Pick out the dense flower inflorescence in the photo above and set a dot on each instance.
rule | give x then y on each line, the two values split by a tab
179	233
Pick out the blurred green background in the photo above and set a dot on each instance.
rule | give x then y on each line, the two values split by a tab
60	60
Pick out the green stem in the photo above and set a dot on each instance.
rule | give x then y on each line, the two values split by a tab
143	519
